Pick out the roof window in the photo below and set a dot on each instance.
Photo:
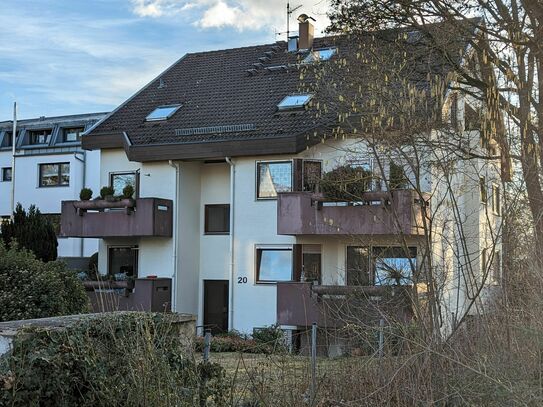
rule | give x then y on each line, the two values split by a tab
294	102
319	55
162	113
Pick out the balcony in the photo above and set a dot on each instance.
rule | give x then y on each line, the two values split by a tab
377	213
143	217
142	294
301	304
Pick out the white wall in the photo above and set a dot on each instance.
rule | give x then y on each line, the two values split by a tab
214	249
48	199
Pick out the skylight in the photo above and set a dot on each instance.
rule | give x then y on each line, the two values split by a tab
294	102
162	113
320	55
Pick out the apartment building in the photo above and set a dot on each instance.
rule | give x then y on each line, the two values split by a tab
50	166
225	152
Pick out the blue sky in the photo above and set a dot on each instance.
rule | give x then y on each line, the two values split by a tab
74	56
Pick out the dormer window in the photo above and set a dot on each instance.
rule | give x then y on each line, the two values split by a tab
293	102
162	113
319	55
39	136
72	134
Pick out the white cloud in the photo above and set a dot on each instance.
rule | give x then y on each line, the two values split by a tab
238	14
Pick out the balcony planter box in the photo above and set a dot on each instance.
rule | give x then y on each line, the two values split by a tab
101	204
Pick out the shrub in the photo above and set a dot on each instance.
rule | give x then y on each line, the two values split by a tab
345	183
33	231
106	191
30	288
127	359
128	191
232	343
85	194
271	335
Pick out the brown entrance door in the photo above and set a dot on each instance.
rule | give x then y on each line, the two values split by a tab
216	305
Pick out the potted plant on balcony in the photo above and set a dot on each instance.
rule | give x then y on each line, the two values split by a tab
128	192
346	183
85	194
106	193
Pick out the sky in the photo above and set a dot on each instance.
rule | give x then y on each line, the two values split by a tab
61	57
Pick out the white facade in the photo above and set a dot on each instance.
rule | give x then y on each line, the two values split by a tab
191	257
31	155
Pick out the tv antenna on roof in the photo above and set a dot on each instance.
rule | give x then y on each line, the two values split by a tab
289	13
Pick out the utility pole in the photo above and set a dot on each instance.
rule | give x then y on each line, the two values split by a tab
13	143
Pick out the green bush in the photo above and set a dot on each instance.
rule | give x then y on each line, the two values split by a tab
30	288
128	191
345	183
127	359
85	194
233	343
33	231
270	335
106	191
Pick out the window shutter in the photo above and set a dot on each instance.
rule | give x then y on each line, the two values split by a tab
297	261
298	181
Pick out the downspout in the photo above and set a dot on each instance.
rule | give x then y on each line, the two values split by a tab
83	180
232	213
175	235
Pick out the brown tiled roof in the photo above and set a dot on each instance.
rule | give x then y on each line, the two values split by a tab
240	86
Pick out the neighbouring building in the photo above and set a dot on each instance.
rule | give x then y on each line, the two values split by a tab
50	166
225	152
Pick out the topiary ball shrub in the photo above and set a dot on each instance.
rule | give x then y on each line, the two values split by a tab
123	359
346	183
106	192
30	288
85	194
128	191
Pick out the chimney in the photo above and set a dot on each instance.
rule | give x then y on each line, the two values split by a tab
306	32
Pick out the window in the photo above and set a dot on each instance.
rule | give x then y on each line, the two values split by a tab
394	265
273	177
482	187
72	134
119	180
311	262
6	174
162	113
397	178
385	266
273	264
54	175
294	102
39	136
312	174
123	262
217	219
319	55
496	199
358	272
7	139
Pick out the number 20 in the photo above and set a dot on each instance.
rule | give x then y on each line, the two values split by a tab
242	280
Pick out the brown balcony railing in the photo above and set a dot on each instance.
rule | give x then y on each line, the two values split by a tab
302	304
377	213
142	294
128	218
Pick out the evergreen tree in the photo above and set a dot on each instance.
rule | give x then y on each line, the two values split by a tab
33	231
